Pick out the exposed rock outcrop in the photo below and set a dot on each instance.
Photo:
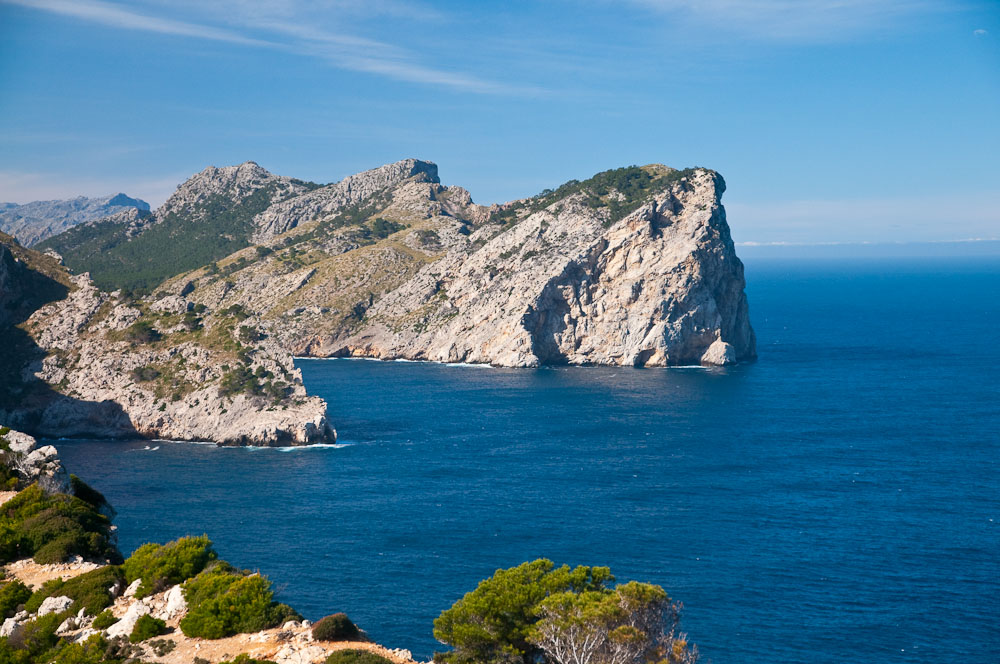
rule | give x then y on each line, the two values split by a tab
105	365
634	267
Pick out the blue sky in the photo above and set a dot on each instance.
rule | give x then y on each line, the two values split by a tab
831	120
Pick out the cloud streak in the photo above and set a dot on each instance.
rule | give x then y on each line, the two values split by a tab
342	51
792	20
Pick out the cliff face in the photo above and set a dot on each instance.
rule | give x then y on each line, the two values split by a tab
633	267
89	363
33	222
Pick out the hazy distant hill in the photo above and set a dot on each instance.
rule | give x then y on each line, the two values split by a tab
33	222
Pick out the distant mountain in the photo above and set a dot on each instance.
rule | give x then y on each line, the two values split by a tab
33	222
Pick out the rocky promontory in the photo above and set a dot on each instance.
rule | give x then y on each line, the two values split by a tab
633	267
92	364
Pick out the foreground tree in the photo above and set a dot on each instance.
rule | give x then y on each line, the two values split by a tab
634	624
536	612
490	625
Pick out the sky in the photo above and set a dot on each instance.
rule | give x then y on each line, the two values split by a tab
831	120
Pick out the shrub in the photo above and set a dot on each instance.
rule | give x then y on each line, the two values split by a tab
90	591
162	566
104	620
337	627
247	659
51	528
144	374
354	656
146	627
142	332
162	647
223	601
38	635
91	651
12	595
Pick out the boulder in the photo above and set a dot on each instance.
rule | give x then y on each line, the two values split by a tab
125	626
54	605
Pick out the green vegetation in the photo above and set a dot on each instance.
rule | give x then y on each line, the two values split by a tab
223	601
144	374
354	656
142	332
51	528
104	619
383	228
620	191
177	243
147	627
337	627
536	611
12	595
161	566
90	591
247	659
261	383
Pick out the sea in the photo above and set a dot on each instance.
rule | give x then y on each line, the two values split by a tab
836	500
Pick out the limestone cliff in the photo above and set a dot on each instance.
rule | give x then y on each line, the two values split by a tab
634	267
89	363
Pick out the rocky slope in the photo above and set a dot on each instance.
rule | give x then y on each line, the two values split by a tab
212	214
634	267
33	222
90	363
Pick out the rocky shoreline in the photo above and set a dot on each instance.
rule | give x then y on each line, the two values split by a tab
79	626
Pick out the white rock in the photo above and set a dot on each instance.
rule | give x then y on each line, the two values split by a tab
125	626
293	654
132	588
21	443
9	626
719	353
54	605
174	603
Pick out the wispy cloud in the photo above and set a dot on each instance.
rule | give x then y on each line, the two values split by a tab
283	26
792	20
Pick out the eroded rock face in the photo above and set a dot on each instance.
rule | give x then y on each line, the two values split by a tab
332	198
662	286
89	377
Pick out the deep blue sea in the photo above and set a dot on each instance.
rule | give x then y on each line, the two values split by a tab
838	500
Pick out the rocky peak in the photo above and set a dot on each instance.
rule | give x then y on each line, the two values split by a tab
332	198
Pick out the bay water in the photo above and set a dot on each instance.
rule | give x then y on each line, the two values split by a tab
837	500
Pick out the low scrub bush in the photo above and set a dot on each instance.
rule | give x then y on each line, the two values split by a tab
354	656
51	528
104	620
12	595
247	659
90	591
161	566
223	601
337	627
142	332
146	627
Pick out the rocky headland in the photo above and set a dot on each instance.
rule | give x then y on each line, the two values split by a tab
85	363
182	322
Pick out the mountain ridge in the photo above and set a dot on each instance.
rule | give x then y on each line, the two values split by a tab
36	221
